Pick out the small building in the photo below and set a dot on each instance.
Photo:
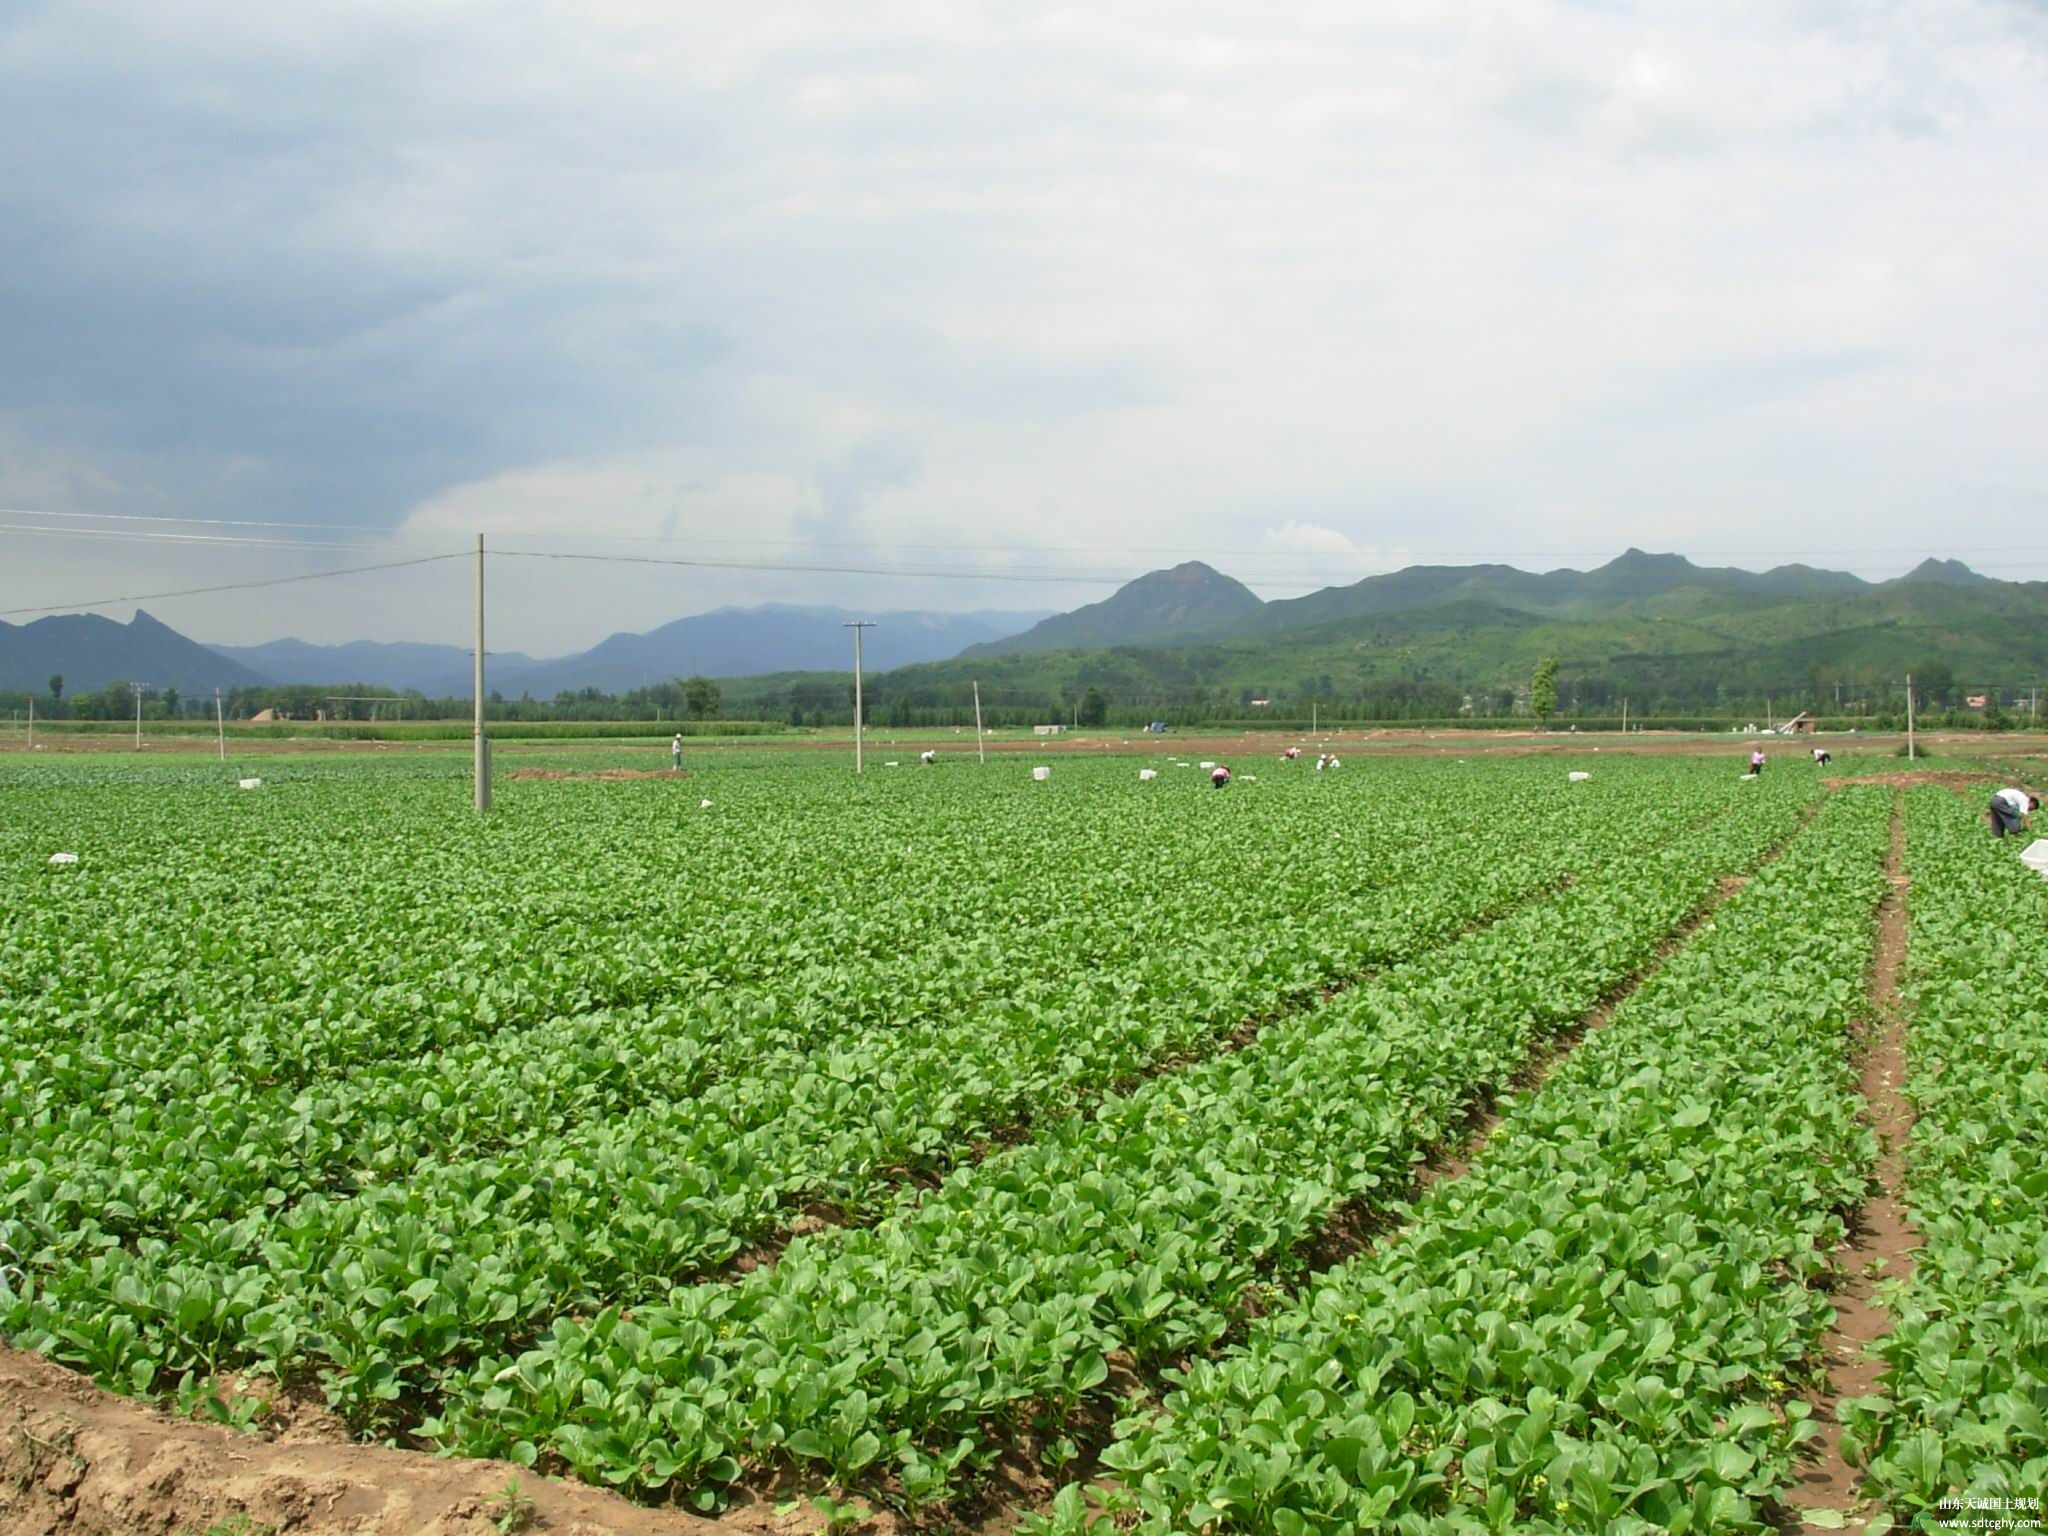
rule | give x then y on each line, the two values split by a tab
264	717
1801	724
1048	730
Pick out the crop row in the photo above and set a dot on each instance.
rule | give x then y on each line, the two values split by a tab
527	1143
925	1344
1963	1405
155	971
1594	1329
344	1282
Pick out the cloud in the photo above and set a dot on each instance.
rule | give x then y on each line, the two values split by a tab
1057	282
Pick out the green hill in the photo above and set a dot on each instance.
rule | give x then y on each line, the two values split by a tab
1670	636
1152	610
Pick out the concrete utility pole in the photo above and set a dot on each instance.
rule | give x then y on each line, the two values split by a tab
857	626
220	726
980	741
483	745
1624	717
31	720
139	687
1909	717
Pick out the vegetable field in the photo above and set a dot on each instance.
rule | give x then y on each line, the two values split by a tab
1431	1145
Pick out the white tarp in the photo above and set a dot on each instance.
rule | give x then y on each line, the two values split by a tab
1578	778
1041	774
250	783
63	858
1147	773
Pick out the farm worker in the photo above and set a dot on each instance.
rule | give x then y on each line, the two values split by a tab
1756	763
1322	761
1820	756
1220	777
2011	810
928	758
675	754
1291	753
1333	761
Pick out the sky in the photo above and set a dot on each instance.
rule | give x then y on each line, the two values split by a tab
1032	298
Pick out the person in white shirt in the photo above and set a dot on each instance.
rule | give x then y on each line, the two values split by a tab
2012	810
675	754
1820	757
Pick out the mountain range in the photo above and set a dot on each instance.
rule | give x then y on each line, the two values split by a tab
1643	625
1654	627
91	651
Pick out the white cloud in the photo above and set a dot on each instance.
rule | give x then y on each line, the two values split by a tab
1135	277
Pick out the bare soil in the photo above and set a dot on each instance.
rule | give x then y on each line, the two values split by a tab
81	1461
1882	1240
953	748
1914	779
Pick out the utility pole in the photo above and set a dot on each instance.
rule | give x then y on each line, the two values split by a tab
1313	711
483	745
139	687
31	720
980	741
857	626
1909	717
1624	717
220	726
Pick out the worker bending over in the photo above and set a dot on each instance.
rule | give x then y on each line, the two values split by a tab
2012	810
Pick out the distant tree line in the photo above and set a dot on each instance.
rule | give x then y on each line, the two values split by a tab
1107	690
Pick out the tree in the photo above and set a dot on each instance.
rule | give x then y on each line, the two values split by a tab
171	700
701	697
1935	682
1543	689
57	686
1094	708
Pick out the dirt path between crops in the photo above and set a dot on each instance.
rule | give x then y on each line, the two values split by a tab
1915	778
1028	1489
80	1461
1882	1242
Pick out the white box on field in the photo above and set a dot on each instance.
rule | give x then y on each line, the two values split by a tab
1041	774
63	858
1147	774
1207	764
1578	778
2036	857
249	783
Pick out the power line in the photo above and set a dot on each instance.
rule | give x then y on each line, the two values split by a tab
131	536
231	586
1401	552
951	573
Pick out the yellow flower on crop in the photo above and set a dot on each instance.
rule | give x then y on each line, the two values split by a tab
1350	1317
1563	1506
